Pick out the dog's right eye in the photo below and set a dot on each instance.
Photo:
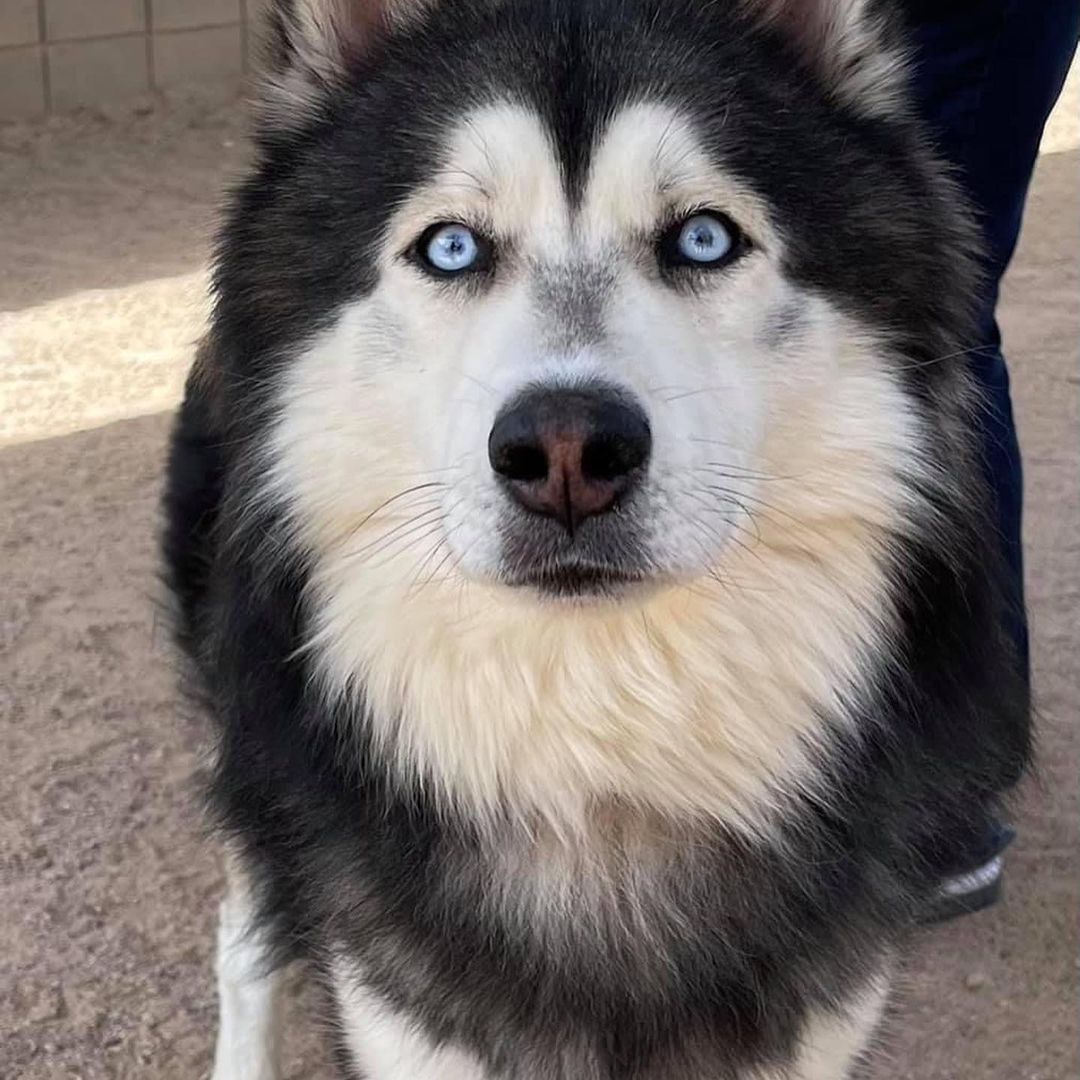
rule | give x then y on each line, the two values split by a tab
449	249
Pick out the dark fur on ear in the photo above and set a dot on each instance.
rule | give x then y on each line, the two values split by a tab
854	45
311	45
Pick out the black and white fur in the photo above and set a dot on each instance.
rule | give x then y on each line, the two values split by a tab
658	800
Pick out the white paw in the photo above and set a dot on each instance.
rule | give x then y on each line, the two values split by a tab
247	999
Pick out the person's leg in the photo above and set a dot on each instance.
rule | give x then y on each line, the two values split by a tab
987	74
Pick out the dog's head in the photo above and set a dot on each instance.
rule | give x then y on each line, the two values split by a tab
588	358
571	297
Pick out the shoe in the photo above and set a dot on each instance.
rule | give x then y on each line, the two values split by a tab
973	882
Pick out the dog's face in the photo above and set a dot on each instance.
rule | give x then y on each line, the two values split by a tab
585	376
594	324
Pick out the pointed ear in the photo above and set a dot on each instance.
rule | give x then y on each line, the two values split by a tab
855	45
311	44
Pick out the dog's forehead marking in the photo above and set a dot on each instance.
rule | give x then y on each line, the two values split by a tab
501	170
647	158
652	162
505	153
501	165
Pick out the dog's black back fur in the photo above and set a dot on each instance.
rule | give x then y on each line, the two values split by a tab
341	850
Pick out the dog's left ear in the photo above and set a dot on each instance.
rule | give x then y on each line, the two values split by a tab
856	46
311	45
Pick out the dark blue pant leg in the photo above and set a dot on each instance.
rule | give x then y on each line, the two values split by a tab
987	75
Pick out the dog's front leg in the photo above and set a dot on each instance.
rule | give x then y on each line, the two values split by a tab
248	990
834	1042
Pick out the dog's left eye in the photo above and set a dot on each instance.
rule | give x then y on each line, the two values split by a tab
705	240
449	249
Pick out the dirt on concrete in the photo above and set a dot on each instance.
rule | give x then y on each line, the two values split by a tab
108	885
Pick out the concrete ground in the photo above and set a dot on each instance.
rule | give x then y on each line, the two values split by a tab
108	887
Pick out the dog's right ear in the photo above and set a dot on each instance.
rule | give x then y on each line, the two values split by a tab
311	45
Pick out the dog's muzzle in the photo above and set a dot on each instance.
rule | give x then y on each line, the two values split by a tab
570	462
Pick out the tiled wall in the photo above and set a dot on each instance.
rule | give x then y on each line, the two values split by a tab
57	55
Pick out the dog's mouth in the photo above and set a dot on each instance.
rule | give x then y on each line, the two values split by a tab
579	581
604	557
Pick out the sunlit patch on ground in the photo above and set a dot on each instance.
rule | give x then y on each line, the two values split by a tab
1063	130
96	356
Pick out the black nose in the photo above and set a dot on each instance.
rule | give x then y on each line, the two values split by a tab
570	454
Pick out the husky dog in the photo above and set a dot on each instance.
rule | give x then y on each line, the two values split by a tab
578	534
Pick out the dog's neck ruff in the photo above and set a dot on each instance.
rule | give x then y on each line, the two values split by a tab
712	700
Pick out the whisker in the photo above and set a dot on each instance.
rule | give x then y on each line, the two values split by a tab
434	529
390	502
752	474
695	393
443	539
715	442
715	574
718	468
971	350
799	522
412	475
434	576
399	532
483	385
422	562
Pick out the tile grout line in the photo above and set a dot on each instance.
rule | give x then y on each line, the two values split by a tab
151	75
46	73
244	31
179	31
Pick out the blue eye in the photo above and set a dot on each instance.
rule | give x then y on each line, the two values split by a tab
453	249
704	240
